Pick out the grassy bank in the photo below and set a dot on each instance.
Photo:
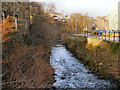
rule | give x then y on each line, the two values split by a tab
101	60
26	66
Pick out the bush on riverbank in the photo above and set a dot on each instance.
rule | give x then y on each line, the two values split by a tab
101	60
26	57
27	67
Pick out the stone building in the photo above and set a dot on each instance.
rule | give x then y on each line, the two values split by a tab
20	12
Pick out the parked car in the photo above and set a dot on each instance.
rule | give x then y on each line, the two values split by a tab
102	32
98	32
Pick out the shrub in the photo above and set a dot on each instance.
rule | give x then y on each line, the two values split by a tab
7	27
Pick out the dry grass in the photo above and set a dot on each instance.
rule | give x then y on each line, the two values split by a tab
102	60
26	57
27	68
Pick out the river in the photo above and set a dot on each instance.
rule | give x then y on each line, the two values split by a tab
70	73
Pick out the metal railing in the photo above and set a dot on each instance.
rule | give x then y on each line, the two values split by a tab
108	35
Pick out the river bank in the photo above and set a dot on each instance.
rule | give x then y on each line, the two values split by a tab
70	73
26	67
102	60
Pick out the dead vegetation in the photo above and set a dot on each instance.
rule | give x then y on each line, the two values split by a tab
26	57
27	68
102	60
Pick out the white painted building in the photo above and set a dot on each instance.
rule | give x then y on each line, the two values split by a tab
113	19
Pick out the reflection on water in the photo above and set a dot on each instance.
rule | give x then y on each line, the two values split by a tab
70	73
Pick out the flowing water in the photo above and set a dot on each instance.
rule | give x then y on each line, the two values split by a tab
70	73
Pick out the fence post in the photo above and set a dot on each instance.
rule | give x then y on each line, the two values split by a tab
109	34
105	34
102	34
96	33
99	35
84	33
80	32
114	36
118	36
87	32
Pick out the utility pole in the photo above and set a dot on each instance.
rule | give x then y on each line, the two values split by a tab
119	20
0	44
119	39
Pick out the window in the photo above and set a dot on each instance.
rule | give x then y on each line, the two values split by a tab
16	21
3	15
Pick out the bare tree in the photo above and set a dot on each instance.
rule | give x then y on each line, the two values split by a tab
79	22
51	7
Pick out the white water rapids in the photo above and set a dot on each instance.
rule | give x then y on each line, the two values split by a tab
70	73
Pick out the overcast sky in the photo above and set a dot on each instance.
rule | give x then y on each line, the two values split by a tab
93	7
